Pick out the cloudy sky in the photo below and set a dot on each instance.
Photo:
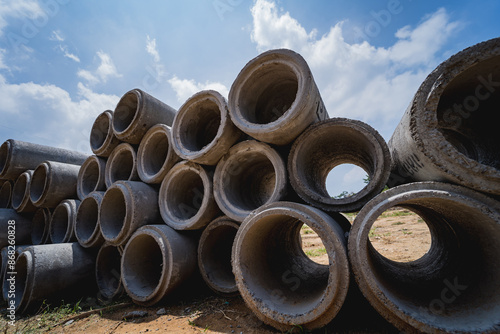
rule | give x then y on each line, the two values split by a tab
62	62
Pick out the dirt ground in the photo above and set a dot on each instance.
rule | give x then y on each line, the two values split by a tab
398	234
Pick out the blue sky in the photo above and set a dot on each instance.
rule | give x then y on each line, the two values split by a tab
62	62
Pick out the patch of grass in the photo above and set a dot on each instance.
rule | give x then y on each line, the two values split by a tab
397	213
398	223
372	233
315	252
306	229
388	234
406	232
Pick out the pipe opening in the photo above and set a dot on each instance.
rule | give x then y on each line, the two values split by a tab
467	109
86	218
200	125
19	192
39	229
125	111
60	224
122	166
345	180
186	195
6	195
312	246
4	154
90	177
108	271
99	131
155	153
142	265
268	93
38	182
113	213
19	284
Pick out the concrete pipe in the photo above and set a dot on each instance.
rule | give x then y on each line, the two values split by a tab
15	228
449	132
454	287
155	261
202	131
9	255
87	229
186	198
41	226
62	223
91	176
53	182
251	174
121	165
279	283
21	200
18	156
156	156
274	98
126	206
108	272
328	144
38	277
6	195
214	255
102	138
136	112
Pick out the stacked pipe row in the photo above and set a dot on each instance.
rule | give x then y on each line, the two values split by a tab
250	172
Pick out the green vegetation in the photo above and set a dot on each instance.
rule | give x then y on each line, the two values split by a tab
316	252
398	223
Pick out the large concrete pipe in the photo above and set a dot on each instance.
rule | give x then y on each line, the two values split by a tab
202	131
102	138
328	144
454	287
155	261
91	176
214	255
18	156
15	228
53	182
251	174
108	272
21	200
41	226
87	229
156	156
278	282
50	271
136	112
126	206
186	198
121	165
448	132
6	195
62	222
274	98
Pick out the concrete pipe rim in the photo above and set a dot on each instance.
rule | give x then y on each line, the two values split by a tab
108	282
6	195
126	112
23	281
121	165
21	190
414	310
87	229
327	296
62	221
40	236
155	156
115	213
228	169
40	182
101	133
91	176
368	150
5	157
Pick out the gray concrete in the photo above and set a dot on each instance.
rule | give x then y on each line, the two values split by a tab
17	156
136	112
186	198
202	131
21	200
156	155
279	283
251	174
274	97
449	131
108	272
87	227
6	195
155	261
454	287
126	206
91	176
121	165
214	255
41	226
53	182
62	222
20	227
102	138
328	144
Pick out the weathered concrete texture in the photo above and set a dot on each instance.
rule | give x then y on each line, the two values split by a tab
136	112
449	132
156	155
328	144
274	97
62	223
87	227
16	226
41	226
21	200
91	176
186	198
53	182
278	282
454	287
18	156
6	195
214	255
39	274
155	261
9	256
126	206
202	131
102	138
121	165
108	272
251	174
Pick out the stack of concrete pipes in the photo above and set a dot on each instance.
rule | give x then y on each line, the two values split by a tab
224	188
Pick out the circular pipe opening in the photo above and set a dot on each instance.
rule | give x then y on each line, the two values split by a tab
86	219
199	125
185	194
4	156
100	131
6	195
108	271
20	190
39	182
154	154
39	231
60	224
125	111
90	177
20	282
112	213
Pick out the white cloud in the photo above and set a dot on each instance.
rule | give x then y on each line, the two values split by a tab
18	9
185	88
156	70
2	64
56	36
104	71
68	54
151	48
